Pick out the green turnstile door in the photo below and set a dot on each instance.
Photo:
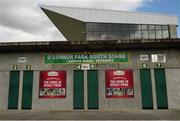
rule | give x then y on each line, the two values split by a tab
161	91
146	89
92	78
13	90
27	90
78	89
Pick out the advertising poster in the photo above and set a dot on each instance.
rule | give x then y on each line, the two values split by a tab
119	84
52	84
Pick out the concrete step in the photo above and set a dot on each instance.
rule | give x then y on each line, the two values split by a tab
90	115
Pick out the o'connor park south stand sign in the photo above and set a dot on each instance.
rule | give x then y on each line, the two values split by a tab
88	58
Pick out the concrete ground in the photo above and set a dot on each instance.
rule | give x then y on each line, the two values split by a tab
90	115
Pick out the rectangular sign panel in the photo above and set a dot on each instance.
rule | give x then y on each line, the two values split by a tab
119	83
79	58
52	84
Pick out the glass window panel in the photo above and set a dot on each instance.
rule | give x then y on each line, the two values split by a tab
137	34
138	27
111	27
152	34
119	27
89	27
89	36
119	35
103	35
151	27
158	27
125	35
97	36
134	27
165	27
125	26
103	27
165	34
130	27
144	27
158	34
111	36
132	34
145	35
95	27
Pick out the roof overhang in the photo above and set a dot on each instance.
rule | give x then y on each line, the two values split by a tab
77	46
113	16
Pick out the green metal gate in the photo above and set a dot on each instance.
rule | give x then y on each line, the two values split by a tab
161	91
27	89
92	78
13	90
78	89
146	89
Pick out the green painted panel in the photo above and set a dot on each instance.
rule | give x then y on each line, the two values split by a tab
146	89
27	89
92	78
72	29
78	89
161	91
13	90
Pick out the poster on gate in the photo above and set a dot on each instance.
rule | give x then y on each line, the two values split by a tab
52	84
119	84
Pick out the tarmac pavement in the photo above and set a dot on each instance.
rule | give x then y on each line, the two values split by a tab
90	115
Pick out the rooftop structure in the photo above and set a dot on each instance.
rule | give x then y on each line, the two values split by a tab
84	24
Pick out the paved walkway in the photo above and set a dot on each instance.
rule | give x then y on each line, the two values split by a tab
90	115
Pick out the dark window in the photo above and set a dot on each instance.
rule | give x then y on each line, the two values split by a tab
119	35
119	27
125	27
125	35
111	27
89	27
96	27
103	27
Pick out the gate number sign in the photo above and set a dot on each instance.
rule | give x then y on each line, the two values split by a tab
15	67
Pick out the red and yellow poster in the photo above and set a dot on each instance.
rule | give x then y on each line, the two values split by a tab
52	84
119	84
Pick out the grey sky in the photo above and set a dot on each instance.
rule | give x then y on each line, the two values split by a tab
23	20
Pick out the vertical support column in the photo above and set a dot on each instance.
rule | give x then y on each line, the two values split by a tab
153	89
20	90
